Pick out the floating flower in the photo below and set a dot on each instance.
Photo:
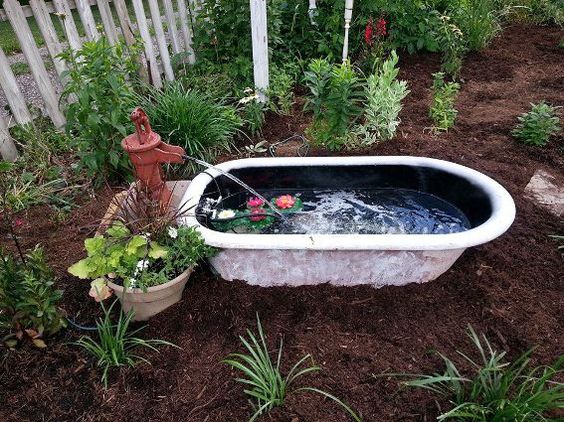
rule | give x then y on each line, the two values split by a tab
255	217
255	202
172	232
99	290
285	201
225	214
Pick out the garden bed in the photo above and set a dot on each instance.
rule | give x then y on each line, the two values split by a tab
511	289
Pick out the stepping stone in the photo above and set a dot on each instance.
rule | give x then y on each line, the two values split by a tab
544	190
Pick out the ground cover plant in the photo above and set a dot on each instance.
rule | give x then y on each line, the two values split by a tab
497	389
442	111
538	125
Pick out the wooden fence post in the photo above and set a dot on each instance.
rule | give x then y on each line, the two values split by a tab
186	31
14	96
148	43
8	149
33	58
171	23
108	21
65	17
85	13
48	32
260	47
161	40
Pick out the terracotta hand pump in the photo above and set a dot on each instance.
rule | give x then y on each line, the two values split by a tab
148	152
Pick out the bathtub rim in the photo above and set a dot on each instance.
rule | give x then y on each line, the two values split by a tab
501	218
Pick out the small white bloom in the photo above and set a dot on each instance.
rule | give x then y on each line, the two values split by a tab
226	214
146	236
143	264
172	232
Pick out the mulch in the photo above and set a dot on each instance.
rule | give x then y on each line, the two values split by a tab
511	289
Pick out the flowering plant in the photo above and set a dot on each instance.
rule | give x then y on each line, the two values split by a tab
375	35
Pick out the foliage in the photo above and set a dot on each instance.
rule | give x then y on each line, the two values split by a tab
116	345
255	149
317	79
100	78
452	42
116	252
340	107
281	90
442	110
190	119
479	21
540	12
263	377
253	112
559	239
384	95
498	390
28	299
538	125
42	173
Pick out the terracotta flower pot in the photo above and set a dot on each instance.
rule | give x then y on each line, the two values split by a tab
156	299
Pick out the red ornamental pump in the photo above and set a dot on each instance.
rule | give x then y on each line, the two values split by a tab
147	152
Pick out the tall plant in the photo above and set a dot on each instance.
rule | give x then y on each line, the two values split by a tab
99	89
442	112
384	94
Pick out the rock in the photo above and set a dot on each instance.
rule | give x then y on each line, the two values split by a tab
544	190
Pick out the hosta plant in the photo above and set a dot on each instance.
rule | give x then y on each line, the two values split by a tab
496	389
263	379
442	112
538	125
28	299
384	94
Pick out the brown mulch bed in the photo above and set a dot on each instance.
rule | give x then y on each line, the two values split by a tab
512	289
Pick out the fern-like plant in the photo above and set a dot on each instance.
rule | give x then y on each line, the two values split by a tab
384	94
538	125
442	110
263	377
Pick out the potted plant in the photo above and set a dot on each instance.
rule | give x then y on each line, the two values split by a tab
142	255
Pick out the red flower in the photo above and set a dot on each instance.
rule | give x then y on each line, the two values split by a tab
285	202
381	29
18	222
369	32
255	202
257	217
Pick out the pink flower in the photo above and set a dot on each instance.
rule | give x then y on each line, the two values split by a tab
285	201
381	30
256	217
255	202
18	222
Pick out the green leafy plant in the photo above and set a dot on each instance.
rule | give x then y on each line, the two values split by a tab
384	94
99	86
202	126
498	390
442	110
263	378
281	90
339	107
28	299
116	345
256	149
538	125
253	111
452	45
479	21
317	79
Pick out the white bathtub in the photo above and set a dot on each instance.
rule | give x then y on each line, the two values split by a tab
351	259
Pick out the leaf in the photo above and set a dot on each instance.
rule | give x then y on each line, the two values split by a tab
37	342
157	251
80	269
12	343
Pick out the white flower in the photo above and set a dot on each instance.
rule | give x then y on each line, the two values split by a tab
250	98
146	236
226	214
142	265
172	232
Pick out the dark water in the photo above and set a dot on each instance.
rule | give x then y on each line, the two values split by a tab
365	211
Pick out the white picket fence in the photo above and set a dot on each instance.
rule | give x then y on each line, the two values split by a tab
155	61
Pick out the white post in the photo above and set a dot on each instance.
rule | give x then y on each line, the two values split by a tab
312	11
260	47
8	150
348	18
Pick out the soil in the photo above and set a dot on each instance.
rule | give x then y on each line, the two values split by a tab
511	289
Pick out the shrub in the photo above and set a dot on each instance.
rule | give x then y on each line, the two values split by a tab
498	390
452	46
100	79
442	110
28	299
263	377
384	95
116	345
192	120
281	90
538	125
340	105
